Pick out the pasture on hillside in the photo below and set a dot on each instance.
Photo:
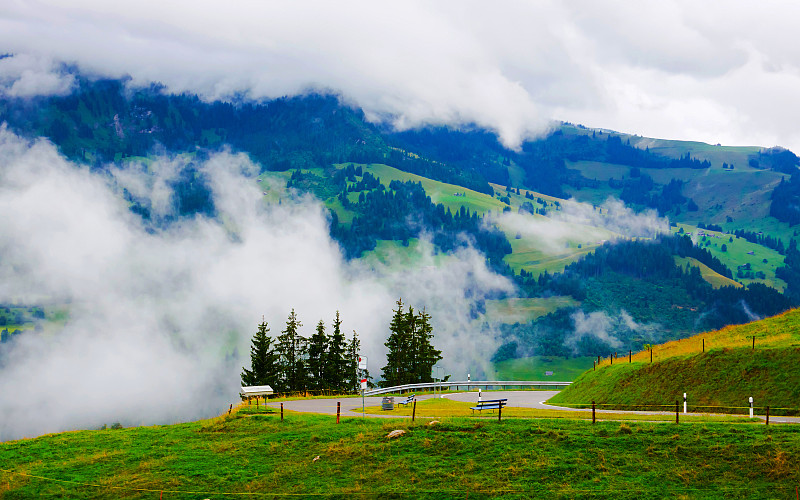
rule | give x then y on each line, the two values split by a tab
310	455
719	368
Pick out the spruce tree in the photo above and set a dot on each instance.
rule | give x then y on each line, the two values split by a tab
394	373
291	348
411	353
317	358
354	374
337	365
263	361
427	355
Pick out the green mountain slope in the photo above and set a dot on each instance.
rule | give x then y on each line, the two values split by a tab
718	368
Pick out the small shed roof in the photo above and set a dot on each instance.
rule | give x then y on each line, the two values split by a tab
256	390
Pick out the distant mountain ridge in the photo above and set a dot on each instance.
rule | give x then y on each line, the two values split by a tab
371	180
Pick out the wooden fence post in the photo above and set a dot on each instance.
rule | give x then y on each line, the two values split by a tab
651	354
281	412
704	345
230	408
767	415
414	410
676	411
338	410
499	411
630	356
593	417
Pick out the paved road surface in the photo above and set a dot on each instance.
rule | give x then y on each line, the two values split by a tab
351	407
520	399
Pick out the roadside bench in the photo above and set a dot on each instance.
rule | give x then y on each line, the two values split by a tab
408	400
489	404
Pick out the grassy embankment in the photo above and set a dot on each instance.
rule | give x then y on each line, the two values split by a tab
715	279
726	374
536	368
447	408
739	252
262	456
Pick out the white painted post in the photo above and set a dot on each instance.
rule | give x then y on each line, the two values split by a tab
479	394
468	379
751	406
684	402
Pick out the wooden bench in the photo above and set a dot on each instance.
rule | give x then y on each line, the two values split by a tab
408	400
489	404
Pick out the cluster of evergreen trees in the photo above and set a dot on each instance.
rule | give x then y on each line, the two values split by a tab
785	205
642	278
325	362
402	212
411	353
637	191
296	363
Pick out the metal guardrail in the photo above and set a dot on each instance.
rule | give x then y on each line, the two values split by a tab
467	383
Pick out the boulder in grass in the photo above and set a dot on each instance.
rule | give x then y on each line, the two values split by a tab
395	433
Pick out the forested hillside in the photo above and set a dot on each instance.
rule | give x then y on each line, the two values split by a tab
371	180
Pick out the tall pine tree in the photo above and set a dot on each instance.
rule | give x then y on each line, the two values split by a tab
292	348
317	358
411	353
263	361
395	371
337	365
426	354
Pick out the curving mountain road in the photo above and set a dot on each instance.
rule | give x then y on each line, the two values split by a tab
351	407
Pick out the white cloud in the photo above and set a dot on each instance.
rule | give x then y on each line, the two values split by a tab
160	321
26	76
719	73
582	223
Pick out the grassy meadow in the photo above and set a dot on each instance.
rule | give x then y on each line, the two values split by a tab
525	310
720	368
534	368
738	252
712	277
260	456
439	408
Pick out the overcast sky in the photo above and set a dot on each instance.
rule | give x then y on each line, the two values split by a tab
725	72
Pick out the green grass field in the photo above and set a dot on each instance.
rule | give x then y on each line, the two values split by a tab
742	193
310	455
438	408
524	310
439	192
738	253
712	277
535	368
719	368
